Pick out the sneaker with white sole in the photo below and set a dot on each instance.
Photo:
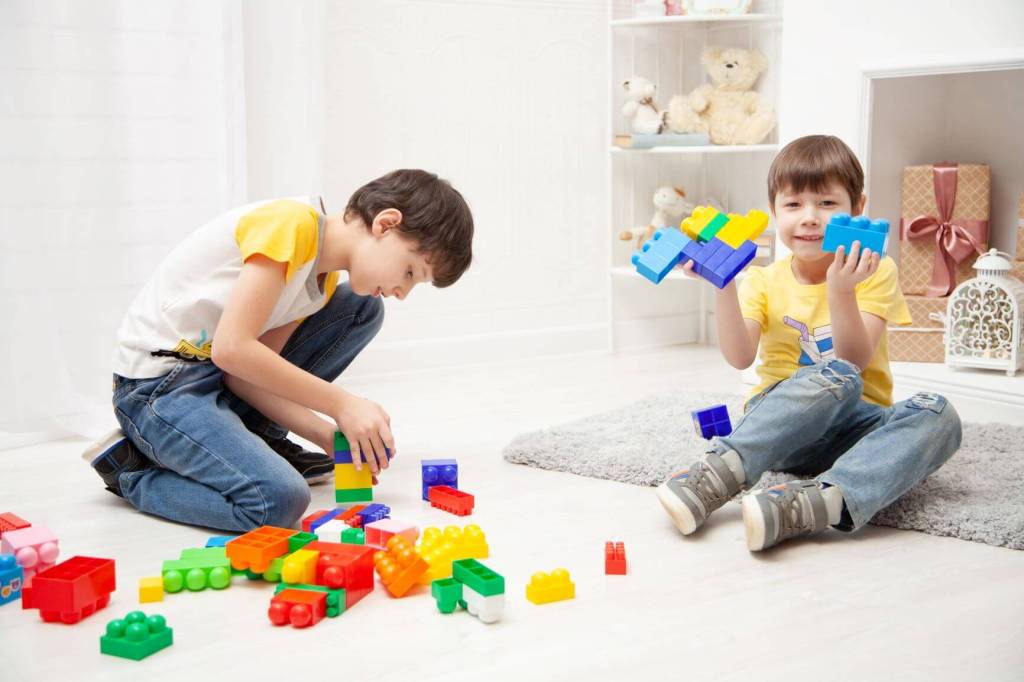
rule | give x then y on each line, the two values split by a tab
783	511
113	455
689	496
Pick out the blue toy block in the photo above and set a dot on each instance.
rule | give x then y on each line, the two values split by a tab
712	421
660	253
374	512
11	578
706	253
220	540
721	273
439	472
842	230
316	523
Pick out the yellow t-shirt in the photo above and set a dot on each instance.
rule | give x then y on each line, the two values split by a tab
796	326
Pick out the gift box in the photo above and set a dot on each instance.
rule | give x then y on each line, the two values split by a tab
943	225
1020	228
923	340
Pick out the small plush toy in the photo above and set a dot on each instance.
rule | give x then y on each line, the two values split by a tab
727	108
644	115
670	206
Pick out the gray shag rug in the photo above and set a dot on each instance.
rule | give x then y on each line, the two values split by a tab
978	495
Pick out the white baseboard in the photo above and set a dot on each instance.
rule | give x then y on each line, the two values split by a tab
977	395
653	332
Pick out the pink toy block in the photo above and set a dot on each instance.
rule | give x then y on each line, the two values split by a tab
34	548
379	532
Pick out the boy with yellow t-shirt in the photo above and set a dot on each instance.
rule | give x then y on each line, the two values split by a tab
823	407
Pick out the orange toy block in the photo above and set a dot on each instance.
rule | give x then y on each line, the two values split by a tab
349	515
257	548
399	566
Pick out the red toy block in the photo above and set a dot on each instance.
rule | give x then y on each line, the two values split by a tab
307	523
614	558
71	590
400	566
10	521
351	515
301	608
344	566
450	500
257	548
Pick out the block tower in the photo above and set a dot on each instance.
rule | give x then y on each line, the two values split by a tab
350	485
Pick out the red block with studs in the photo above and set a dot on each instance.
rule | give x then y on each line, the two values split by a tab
344	566
10	521
451	500
614	558
301	608
351	515
71	590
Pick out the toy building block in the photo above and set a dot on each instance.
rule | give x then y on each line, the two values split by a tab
353	536
319	518
151	589
11	521
301	608
699	220
742	229
660	253
487	608
842	230
373	512
399	566
439	472
197	569
475	575
712	421
451	500
345	566
379	532
11	579
441	549
347	477
350	517
335	602
273	572
71	590
255	549
343	495
35	549
545	588
220	540
300	567
300	540
614	558
447	592
331	531
135	636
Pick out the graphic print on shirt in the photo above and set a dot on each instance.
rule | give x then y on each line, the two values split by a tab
200	351
816	347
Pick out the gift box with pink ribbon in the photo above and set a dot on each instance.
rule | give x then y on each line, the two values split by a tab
943	225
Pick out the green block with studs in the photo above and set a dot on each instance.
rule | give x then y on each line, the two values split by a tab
136	636
353	536
448	594
300	540
478	577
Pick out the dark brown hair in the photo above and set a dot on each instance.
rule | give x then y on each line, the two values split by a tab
814	162
434	215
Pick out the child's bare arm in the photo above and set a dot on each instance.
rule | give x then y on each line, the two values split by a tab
238	351
855	334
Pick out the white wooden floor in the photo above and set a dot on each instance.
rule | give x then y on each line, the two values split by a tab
882	604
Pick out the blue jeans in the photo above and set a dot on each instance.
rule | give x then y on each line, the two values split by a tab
815	424
209	466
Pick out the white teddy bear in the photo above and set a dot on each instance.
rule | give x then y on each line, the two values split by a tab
727	109
644	114
670	206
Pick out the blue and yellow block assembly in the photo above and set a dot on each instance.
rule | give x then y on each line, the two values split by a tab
719	244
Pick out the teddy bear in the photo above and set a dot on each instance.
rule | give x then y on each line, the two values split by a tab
645	116
670	206
727	109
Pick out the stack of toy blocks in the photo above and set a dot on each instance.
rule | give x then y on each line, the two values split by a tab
399	566
712	421
71	590
438	472
474	587
720	245
439	549
545	588
842	230
135	636
615	558
197	569
350	484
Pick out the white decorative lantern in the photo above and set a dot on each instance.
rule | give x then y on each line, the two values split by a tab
983	318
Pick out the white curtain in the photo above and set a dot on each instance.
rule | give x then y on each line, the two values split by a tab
122	126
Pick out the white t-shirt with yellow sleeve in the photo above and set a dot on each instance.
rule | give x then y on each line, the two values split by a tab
175	315
796	326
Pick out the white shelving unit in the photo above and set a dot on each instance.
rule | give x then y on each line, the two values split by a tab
666	51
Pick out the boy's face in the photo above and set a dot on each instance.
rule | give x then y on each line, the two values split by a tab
388	264
801	217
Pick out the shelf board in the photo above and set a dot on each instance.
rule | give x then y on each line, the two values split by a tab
647	22
698	149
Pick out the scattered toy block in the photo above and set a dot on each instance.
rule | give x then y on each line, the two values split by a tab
438	472
842	230
300	567
151	589
474	574
353	536
660	253
136	636
399	566
300	540
197	569
331	531
258	547
379	532
545	588
350	515
71	590
451	500
11	579
439	549
614	558
712	421
373	512
11	521
447	592
335	601
487	608
220	540
345	566
301	608
35	548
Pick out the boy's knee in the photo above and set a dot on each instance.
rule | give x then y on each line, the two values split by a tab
942	416
286	501
839	377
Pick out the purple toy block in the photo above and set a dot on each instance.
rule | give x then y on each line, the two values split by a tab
712	421
726	271
439	472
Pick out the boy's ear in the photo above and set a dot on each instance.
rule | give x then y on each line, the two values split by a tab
385	221
858	206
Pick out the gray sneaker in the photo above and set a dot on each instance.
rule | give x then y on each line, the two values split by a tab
783	511
689	496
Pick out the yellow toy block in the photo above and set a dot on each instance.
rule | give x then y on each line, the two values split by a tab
151	589
441	549
698	220
740	229
545	588
300	567
346	477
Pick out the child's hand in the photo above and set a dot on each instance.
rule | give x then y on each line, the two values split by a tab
846	273
368	429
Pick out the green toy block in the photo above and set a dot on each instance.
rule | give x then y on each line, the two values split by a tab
448	593
300	540
353	495
273	572
712	228
136	636
340	442
335	598
353	536
478	577
198	569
